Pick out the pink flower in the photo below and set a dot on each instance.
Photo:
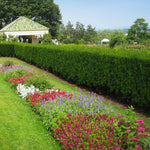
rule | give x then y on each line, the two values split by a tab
144	134
138	147
128	131
139	121
141	129
135	139
118	148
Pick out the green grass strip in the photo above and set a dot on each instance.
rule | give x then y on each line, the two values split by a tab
20	128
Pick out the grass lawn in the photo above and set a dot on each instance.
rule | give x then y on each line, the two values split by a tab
20	128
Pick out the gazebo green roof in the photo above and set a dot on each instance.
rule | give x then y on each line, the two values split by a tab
23	24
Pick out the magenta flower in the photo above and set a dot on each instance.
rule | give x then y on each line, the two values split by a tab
144	135
138	147
141	129
118	148
135	139
139	121
128	131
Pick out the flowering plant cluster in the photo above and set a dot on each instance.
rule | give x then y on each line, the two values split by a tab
39	97
88	132
23	90
17	80
77	126
14	67
139	136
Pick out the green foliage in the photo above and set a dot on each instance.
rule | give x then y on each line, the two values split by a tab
90	34
39	81
3	37
138	31
46	39
77	42
68	34
104	34
7	49
15	73
12	39
117	38
8	63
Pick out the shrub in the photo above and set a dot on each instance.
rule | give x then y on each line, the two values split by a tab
7	49
46	39
3	37
39	81
8	63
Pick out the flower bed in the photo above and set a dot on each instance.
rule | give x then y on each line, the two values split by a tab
82	121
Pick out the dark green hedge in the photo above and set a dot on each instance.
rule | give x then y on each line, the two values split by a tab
123	73
7	49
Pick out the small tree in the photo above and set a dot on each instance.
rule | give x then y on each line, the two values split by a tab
118	38
12	39
3	37
46	39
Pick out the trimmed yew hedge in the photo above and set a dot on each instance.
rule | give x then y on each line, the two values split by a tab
119	72
7	49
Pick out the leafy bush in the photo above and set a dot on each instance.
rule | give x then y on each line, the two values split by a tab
12	39
39	81
3	37
7	49
46	39
8	63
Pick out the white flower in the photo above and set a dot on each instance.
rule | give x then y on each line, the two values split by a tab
23	90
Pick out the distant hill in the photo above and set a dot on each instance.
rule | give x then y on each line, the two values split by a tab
125	30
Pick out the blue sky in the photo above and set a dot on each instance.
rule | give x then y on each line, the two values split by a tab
104	14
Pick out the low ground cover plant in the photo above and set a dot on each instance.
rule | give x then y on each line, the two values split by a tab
16	71
80	121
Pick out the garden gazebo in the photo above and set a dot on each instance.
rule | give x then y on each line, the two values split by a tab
104	41
23	27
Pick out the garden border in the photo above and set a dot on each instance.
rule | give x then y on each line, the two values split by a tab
106	98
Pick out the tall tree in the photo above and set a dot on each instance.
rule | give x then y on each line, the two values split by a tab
104	34
62	34
70	33
138	31
90	34
45	12
79	31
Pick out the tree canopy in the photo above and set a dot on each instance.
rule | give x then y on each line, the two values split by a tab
138	31
117	37
69	34
46	12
